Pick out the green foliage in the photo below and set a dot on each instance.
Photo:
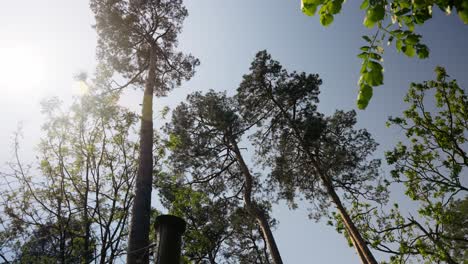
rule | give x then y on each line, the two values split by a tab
395	20
328	8
431	164
73	205
434	161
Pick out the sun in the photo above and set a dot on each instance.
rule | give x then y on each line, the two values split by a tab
22	70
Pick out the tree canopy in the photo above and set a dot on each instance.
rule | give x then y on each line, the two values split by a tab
431	164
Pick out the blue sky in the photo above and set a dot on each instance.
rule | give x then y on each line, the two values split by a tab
225	35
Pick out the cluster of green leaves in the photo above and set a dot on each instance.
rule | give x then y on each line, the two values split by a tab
328	8
395	21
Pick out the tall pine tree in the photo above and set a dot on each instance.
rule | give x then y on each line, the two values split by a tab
138	40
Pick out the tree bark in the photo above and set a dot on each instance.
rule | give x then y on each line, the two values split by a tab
254	210
138	240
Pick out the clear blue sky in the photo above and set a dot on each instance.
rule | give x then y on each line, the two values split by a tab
225	35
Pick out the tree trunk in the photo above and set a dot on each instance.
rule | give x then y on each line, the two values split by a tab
88	253
358	251
138	239
363	251
254	210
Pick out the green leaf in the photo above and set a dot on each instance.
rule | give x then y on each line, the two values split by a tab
363	69
412	39
375	76
405	4
399	45
364	4
366	92
365	48
363	55
422	15
375	56
398	33
463	15
326	19
376	13
334	7
375	66
308	8
364	96
409	50
368	23
410	26
423	51
366	38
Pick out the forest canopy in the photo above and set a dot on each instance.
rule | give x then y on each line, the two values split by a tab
255	155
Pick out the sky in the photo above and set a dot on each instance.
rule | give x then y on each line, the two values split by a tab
53	40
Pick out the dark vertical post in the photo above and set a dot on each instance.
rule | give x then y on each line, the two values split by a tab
169	230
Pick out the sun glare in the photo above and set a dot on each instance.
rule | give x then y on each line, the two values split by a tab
22	70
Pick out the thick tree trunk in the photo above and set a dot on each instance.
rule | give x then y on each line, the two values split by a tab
138	239
363	251
254	210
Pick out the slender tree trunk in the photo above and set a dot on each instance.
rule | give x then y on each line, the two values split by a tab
60	219
138	240
254	210
356	238
87	245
